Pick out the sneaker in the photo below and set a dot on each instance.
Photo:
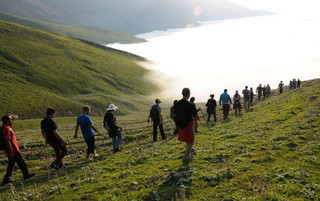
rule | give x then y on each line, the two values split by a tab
29	176
95	155
54	166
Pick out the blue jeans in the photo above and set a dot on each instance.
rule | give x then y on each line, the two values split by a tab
116	140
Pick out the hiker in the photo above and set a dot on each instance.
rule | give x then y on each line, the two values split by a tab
264	92
185	112
290	85
268	88
114	130
251	95
259	90
281	87
172	116
192	99
87	128
246	94
294	84
298	83
211	108
237	103
49	131
11	149
156	117
225	99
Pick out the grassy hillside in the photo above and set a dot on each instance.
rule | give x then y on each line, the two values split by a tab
97	35
40	69
271	152
133	17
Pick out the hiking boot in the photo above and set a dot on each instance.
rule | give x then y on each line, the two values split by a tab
6	180
29	176
116	150
54	166
95	155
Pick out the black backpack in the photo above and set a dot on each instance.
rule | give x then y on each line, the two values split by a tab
154	113
181	117
2	142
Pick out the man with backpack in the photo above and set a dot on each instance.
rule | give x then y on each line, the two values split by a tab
10	146
173	117
185	112
156	117
49	131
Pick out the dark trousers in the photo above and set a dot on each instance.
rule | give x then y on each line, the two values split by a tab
60	151
259	96
214	116
225	108
246	102
90	143
22	165
155	132
251	99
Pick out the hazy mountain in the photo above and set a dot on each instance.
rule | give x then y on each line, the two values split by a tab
133	17
95	34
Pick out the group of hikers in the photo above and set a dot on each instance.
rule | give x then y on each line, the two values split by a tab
183	112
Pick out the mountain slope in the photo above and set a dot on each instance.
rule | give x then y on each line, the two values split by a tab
271	152
97	35
40	69
133	17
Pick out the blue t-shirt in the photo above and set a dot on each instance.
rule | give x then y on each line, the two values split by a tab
84	121
225	98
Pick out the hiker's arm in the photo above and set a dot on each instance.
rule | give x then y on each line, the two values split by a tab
148	118
93	128
55	133
197	117
9	147
76	132
160	118
44	135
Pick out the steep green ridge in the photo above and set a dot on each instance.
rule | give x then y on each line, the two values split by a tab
132	17
40	69
271	152
97	35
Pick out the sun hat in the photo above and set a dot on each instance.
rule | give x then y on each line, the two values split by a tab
112	107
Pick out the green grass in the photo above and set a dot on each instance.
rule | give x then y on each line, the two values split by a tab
41	70
271	152
97	35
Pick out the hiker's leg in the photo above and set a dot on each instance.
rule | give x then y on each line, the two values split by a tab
63	153
56	150
114	142
209	115
22	165
118	139
227	110
90	143
155	127
189	146
9	170
162	131
215	116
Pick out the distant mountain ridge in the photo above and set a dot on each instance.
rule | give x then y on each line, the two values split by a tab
132	17
97	35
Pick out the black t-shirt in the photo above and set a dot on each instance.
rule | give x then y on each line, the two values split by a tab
49	125
211	105
189	108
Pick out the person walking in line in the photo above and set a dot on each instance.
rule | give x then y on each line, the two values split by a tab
11	149
225	99
87	128
192	99
259	91
268	91
246	95
298	83
294	84
114	130
281	87
237	103
173	116
211	108
251	95
49	131
290	85
156	117
185	112
264	92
